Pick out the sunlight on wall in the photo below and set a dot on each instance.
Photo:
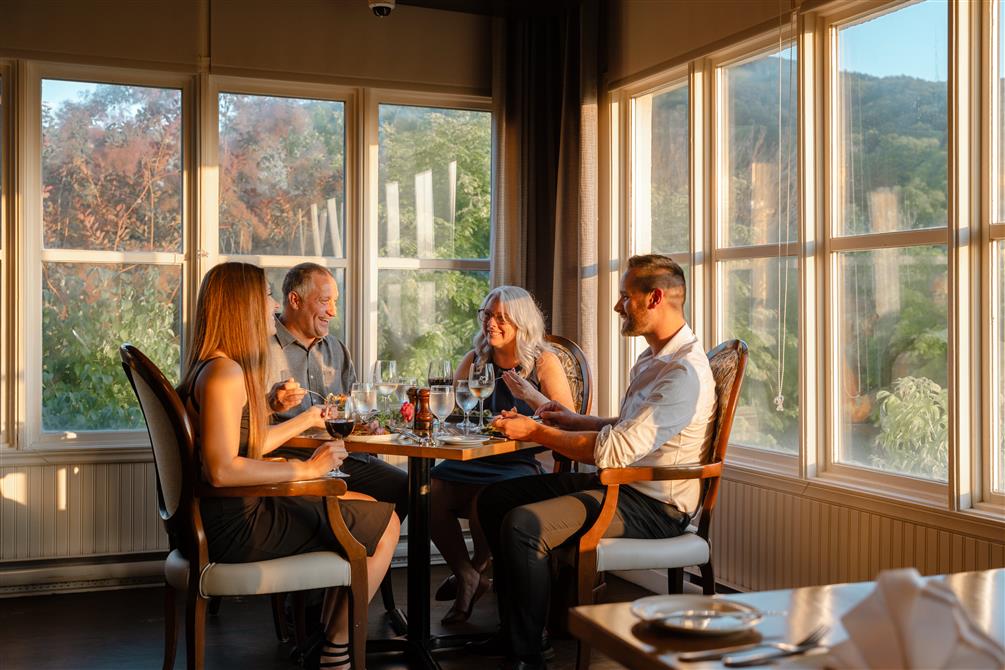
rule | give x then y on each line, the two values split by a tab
15	487
61	489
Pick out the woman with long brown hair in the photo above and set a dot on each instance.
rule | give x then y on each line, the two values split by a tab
224	392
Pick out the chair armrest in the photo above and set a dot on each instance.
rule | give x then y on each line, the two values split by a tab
611	476
322	487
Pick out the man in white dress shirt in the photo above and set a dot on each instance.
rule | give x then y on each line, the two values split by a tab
666	418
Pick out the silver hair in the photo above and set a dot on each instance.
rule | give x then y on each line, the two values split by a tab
523	312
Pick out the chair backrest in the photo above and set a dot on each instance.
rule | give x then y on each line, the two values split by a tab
728	362
171	437
577	369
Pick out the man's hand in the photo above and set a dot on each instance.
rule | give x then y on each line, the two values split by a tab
556	414
515	426
285	395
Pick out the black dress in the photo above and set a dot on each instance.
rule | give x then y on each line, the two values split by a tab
241	530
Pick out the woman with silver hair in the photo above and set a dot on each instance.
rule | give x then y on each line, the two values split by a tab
511	337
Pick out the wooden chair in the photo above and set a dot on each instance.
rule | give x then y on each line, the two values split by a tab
598	554
188	568
577	369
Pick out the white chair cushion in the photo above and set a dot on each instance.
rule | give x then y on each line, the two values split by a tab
315	570
619	553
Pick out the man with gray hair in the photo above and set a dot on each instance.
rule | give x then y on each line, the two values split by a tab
306	363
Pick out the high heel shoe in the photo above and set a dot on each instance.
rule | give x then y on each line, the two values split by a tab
339	653
455	615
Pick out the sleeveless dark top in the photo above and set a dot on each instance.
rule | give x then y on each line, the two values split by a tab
504	466
241	530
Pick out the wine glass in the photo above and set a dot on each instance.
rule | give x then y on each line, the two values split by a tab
441	373
364	400
466	400
481	381
441	403
339	423
384	378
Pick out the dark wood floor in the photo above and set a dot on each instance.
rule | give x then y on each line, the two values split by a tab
123	629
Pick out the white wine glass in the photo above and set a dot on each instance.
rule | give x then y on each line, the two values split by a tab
441	403
385	374
482	382
339	424
466	400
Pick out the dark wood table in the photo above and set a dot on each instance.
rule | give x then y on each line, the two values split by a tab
614	631
418	643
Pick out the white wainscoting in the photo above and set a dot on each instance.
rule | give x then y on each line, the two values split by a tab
766	537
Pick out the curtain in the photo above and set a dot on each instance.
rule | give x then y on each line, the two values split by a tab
545	204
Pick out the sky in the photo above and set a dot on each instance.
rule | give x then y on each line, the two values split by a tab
912	41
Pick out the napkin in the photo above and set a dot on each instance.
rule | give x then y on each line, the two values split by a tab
908	622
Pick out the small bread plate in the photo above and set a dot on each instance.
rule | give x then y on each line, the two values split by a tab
696	615
463	439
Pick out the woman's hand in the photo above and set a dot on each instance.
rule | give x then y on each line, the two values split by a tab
523	389
316	415
326	457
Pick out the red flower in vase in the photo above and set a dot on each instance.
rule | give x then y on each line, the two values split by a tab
407	411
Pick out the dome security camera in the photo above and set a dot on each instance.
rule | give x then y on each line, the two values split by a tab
381	8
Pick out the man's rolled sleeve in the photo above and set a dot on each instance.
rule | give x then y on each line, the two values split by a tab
658	416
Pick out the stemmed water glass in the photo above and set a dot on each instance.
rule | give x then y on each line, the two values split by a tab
466	400
385	375
364	400
441	403
339	423
481	381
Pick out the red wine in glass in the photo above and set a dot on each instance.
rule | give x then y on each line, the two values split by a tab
339	427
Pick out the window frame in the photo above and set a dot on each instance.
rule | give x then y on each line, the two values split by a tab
755	458
369	262
829	468
32	254
7	313
992	232
209	237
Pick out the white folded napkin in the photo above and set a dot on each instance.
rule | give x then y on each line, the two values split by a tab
908	622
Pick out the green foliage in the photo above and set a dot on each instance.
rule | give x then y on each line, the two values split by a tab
914	425
88	311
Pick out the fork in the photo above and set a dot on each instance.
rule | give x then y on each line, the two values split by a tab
781	649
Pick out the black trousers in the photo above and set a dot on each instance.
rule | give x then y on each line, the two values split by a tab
527	518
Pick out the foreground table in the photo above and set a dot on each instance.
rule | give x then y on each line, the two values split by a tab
613	630
418	642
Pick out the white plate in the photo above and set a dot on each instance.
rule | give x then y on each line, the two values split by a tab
697	615
463	439
386	437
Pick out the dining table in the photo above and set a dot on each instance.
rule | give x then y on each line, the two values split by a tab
417	643
612	628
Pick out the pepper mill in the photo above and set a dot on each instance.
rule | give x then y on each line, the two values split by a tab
423	424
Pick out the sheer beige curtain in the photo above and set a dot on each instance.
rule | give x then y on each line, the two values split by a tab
545	205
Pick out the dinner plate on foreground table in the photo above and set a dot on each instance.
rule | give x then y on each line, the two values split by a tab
463	439
696	615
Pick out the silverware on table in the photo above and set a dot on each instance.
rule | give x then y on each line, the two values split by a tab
781	649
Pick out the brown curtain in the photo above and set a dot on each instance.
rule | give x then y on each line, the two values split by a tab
545	205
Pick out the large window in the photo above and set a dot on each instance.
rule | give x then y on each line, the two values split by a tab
112	242
282	186
433	194
889	283
757	241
